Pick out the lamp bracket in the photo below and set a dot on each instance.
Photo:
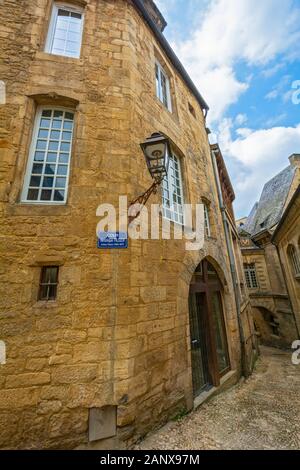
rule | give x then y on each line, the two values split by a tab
143	198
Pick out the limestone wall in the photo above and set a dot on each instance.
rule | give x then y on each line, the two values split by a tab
118	333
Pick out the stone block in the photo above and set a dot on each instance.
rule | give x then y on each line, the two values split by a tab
102	423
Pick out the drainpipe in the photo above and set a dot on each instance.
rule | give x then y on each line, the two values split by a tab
244	365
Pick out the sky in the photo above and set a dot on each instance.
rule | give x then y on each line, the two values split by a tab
244	57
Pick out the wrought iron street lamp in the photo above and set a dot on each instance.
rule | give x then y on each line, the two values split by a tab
157	151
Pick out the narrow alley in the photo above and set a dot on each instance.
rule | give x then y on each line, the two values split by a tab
261	413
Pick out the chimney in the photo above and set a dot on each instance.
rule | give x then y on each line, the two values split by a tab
155	14
295	160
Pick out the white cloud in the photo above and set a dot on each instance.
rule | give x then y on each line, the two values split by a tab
251	31
272	95
280	89
241	119
271	71
255	156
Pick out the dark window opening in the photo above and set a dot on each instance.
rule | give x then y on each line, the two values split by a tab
48	283
274	323
192	110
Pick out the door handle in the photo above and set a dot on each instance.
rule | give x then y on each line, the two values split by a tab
195	341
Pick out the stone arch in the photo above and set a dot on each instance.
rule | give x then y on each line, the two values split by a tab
192	261
209	326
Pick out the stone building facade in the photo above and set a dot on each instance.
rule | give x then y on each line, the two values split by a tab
269	292
249	343
100	347
287	238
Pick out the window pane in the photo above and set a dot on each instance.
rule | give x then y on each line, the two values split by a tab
52	292
51	157
43	293
41	145
62	170
59	195
46	195
60	182
63	12
39	156
63	158
162	86
65	147
48	283
43	134
47	113
58	114
56	124
37	168
45	123
55	135
76	15
48	182
50	169
66	136
68	125
32	194
53	145
35	181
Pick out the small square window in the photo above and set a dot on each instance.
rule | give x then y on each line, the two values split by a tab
48	283
192	110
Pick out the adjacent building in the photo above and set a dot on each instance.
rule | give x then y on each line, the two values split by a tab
104	345
249	343
269	288
287	238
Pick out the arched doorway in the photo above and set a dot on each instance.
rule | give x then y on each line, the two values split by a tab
209	346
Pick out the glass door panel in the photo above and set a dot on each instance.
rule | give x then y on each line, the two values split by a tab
220	332
199	346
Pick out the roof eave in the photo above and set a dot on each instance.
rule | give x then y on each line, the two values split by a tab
170	54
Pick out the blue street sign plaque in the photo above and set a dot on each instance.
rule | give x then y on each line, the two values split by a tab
112	240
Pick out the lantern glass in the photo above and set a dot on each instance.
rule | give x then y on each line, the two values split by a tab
157	153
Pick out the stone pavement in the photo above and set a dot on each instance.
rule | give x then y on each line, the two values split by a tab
262	412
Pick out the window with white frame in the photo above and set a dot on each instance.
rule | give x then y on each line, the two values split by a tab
172	193
46	179
251	277
206	221
163	86
65	31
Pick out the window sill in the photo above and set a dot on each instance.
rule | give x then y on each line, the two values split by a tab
48	304
38	209
62	59
175	223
